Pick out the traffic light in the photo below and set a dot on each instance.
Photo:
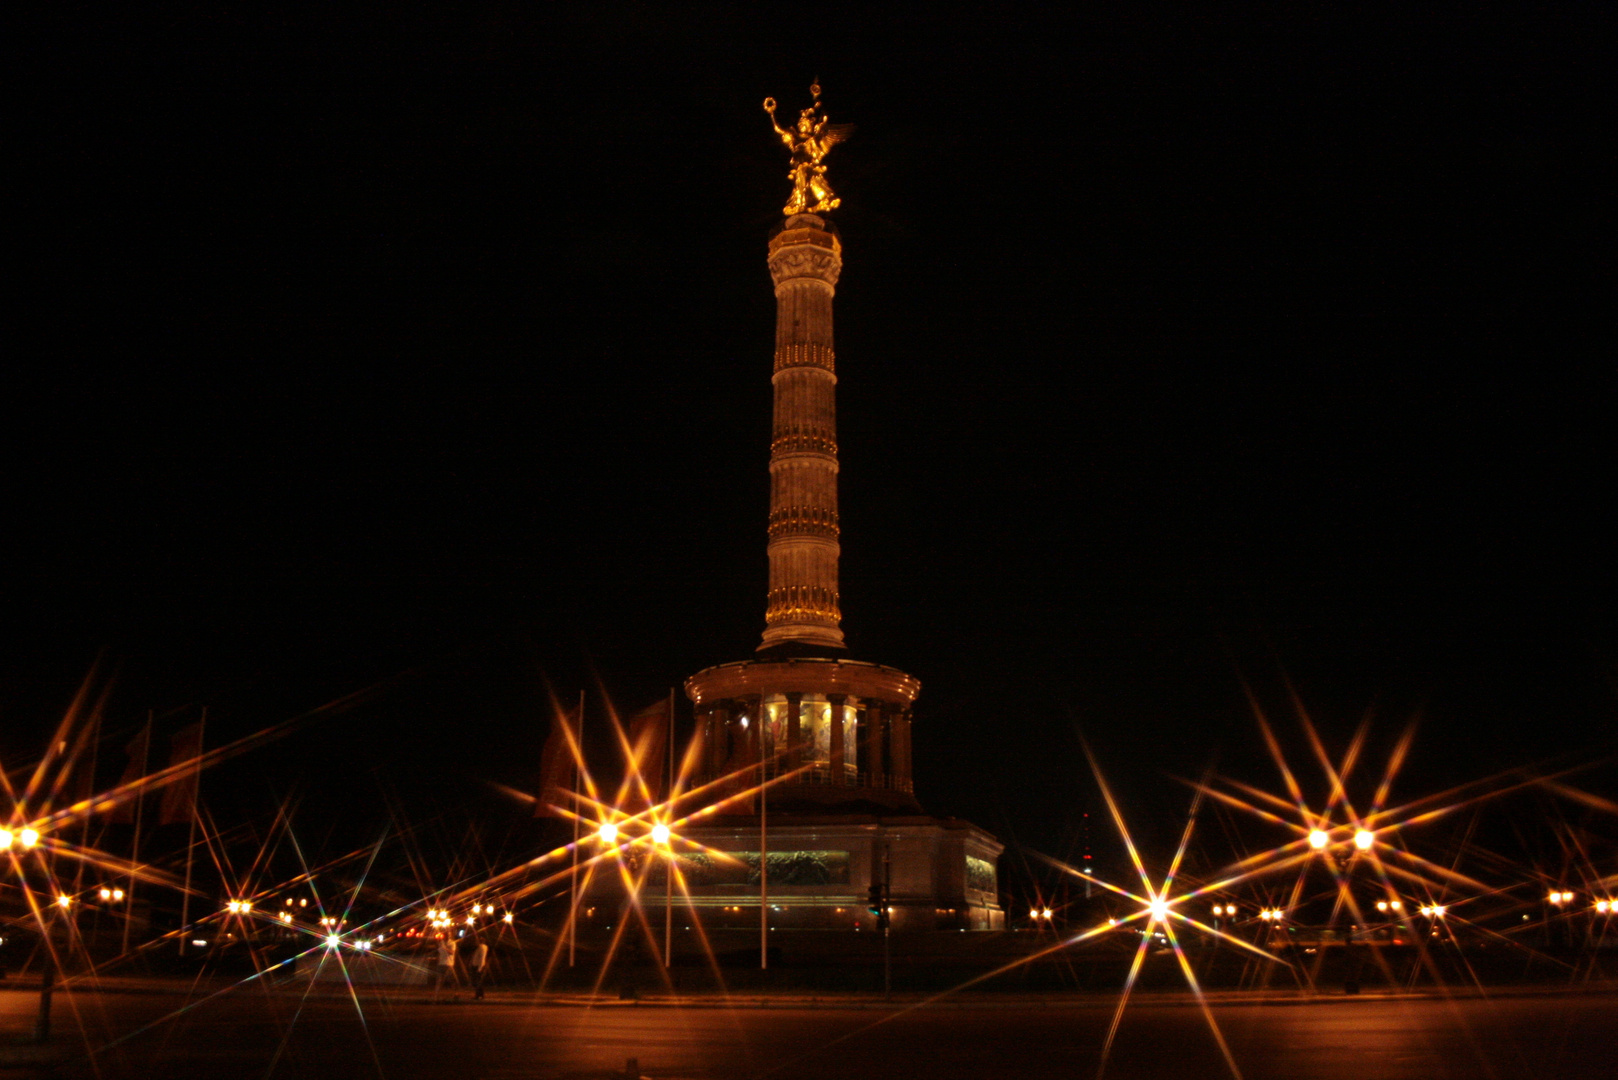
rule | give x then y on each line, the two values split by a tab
877	904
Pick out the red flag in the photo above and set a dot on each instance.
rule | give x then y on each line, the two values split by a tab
124	812
185	746
648	741
556	767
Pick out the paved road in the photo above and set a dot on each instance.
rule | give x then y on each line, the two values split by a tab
253	1034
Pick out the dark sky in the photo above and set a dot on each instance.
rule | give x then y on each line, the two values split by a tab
433	345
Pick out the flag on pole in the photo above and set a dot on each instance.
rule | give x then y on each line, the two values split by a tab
648	742
185	746
556	766
124	812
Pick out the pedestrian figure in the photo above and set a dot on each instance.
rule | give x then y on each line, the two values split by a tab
446	964
480	969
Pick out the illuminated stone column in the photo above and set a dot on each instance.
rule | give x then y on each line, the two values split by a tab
805	260
899	738
839	702
871	746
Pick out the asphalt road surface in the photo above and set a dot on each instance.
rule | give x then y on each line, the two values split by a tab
255	1034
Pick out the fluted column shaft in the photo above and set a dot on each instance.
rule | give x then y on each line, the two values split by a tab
805	260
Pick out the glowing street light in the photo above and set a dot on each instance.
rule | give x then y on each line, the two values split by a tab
660	833
506	917
1363	839
607	833
64	901
333	940
1159	909
1318	838
1604	906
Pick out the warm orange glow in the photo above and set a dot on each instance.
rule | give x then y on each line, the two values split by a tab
607	833
1318	839
660	833
1363	839
28	837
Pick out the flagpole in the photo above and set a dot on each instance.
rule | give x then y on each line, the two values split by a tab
134	847
191	837
763	851
668	871
575	747
84	835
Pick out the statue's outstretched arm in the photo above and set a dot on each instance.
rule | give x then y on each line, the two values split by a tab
769	107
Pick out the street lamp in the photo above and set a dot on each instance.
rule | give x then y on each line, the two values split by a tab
1318	839
660	833
1363	838
26	837
608	832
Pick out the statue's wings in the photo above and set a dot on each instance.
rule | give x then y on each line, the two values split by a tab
834	134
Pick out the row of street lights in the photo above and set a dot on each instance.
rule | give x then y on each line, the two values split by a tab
27	838
1363	839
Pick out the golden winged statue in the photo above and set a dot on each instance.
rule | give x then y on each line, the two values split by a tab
809	141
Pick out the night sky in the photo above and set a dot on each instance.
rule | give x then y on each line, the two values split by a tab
431	349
